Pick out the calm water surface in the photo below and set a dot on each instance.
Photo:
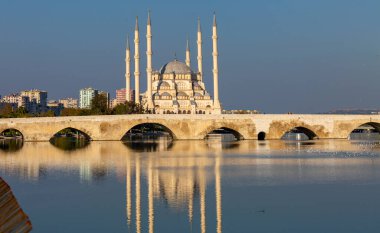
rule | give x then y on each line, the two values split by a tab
196	186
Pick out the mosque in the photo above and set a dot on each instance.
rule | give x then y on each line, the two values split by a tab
175	88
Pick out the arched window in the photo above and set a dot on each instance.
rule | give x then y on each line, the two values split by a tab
166	96
164	86
182	96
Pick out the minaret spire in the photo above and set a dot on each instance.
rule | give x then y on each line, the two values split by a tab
199	43
217	107
188	59
149	62
149	22
128	71
214	24
137	63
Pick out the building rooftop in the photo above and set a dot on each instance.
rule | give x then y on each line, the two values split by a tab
176	67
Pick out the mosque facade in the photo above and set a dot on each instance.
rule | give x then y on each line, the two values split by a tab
175	88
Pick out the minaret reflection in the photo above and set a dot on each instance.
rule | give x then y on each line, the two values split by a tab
129	191
218	194
178	181
202	190
190	207
138	196
150	197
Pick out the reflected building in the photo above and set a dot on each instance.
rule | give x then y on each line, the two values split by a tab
187	176
178	182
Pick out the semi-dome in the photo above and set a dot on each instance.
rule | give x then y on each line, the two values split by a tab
164	85
176	67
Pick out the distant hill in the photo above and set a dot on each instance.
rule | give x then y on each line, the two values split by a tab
354	111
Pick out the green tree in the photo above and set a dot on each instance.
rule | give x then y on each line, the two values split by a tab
71	112
99	105
129	107
6	110
49	113
20	112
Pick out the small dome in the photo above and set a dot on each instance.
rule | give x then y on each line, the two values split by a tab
176	67
164	85
165	94
182	94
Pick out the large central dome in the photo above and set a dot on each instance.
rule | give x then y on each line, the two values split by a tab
176	67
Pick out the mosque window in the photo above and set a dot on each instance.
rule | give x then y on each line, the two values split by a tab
181	86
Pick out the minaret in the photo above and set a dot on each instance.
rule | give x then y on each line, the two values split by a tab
128	72
188	61
137	63
149	62
199	43
217	108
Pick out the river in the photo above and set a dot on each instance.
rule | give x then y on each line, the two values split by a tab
198	186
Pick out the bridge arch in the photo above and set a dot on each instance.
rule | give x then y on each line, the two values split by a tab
299	129
261	136
79	132
229	129
371	124
12	132
277	129
154	125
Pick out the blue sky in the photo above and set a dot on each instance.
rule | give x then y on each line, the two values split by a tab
275	55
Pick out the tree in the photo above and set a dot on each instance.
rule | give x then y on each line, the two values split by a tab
49	113
129	107
20	112
99	105
6	110
70	112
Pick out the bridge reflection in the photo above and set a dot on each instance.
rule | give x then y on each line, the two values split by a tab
35	159
184	175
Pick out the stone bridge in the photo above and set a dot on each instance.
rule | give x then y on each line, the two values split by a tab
182	127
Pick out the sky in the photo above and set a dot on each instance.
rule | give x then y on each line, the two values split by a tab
275	56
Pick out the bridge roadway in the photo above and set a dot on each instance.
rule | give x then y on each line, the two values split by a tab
185	127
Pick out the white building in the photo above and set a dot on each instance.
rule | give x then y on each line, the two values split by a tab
38	98
175	88
18	101
85	97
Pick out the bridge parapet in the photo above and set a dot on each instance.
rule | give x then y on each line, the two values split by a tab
190	126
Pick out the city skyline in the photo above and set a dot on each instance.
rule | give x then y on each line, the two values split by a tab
275	57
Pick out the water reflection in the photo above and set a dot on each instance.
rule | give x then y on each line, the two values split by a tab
189	177
69	143
153	145
11	144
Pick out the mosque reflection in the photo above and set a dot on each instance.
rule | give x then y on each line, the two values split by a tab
156	145
175	180
177	173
